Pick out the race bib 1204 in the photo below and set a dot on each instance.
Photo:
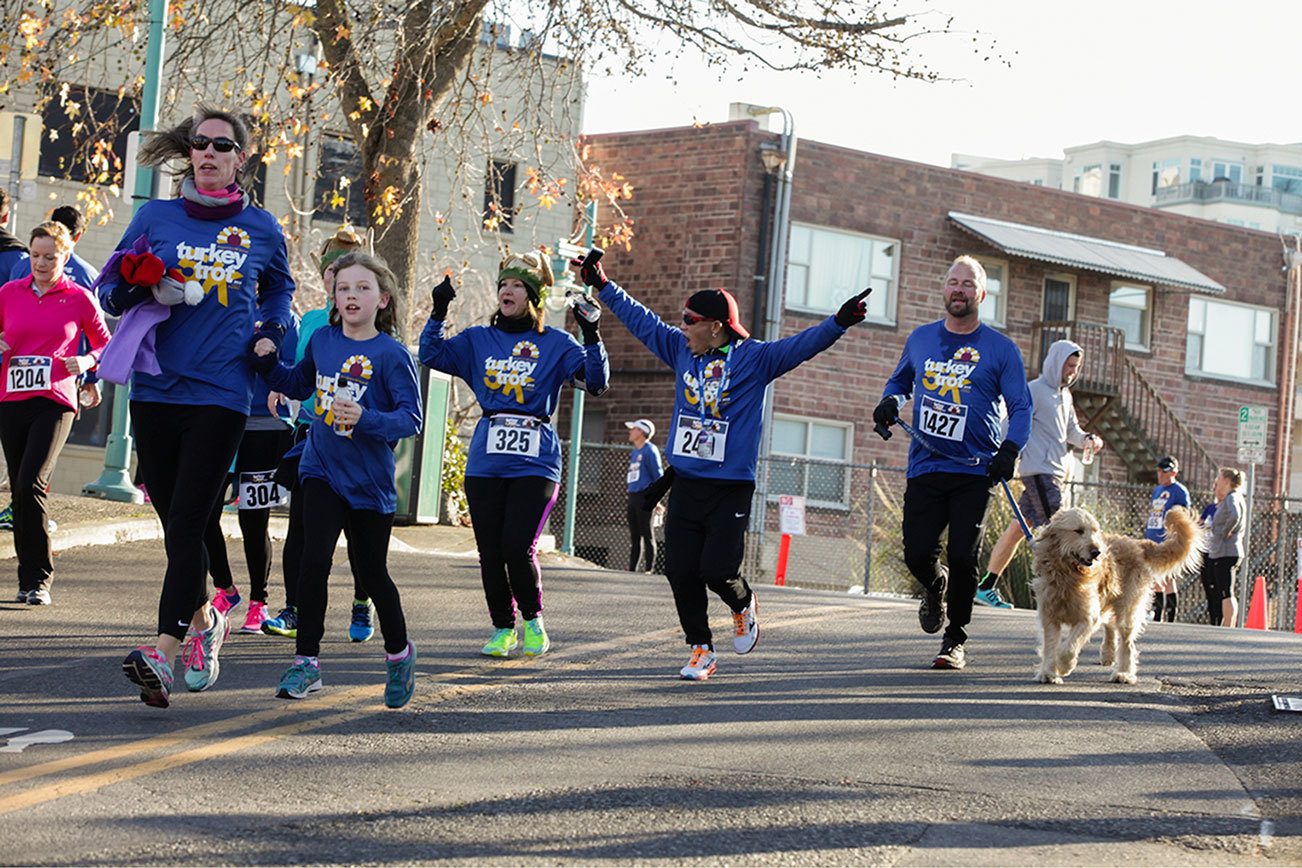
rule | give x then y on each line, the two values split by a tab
29	373
514	435
706	439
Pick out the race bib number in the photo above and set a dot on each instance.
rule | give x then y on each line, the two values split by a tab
30	373
514	435
634	473
706	439
943	419
259	490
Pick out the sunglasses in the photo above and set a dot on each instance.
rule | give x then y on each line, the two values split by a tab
692	318
221	144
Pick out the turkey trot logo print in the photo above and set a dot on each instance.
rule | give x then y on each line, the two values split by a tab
951	377
513	376
217	266
351	382
712	385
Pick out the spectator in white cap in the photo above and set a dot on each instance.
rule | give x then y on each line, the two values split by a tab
644	468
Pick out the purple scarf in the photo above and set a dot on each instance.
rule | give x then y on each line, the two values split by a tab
207	206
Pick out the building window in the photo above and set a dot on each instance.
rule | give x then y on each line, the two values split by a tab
1166	173
84	135
1226	171
1129	309
809	458
1231	341
994	310
1114	181
1091	180
499	196
1286	179
827	266
1195	170
338	191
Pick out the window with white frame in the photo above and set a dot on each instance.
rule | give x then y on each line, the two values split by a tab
1223	170
1230	341
1130	309
1114	180
1286	179
1090	180
808	457
994	310
1195	169
827	266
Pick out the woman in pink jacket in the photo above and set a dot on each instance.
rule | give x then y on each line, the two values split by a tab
42	319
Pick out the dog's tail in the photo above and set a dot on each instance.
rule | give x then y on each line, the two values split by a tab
1180	552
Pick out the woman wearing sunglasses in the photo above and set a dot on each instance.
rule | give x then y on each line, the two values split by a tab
189	404
714	443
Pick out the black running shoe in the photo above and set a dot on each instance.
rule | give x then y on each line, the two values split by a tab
931	614
951	656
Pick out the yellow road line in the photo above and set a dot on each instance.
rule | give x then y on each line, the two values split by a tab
213	748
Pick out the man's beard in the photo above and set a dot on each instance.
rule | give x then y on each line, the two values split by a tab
961	307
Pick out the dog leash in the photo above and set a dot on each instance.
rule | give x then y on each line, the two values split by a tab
913	433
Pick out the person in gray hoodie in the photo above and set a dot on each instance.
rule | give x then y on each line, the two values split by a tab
1042	469
1225	540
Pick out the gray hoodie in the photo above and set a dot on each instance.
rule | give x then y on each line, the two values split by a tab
1226	538
1053	422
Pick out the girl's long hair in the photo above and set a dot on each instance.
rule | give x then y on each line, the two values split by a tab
386	318
173	146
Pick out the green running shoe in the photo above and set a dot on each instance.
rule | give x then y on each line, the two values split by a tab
401	683
7	518
284	624
536	642
299	680
502	643
200	653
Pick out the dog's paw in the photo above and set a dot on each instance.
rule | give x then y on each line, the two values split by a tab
1048	678
1124	678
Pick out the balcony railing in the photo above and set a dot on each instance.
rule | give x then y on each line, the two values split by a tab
1202	191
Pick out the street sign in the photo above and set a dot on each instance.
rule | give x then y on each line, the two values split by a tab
1252	435
791	514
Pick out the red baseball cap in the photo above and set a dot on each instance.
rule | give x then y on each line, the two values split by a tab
718	304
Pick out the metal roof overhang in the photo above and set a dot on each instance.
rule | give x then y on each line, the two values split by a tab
1091	254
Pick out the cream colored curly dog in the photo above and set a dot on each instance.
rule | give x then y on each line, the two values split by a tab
1084	578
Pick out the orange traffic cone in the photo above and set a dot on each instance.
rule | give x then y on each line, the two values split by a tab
1297	617
1257	608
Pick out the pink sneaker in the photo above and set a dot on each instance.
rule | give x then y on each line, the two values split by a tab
225	600
257	614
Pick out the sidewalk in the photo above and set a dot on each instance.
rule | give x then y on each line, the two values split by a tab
89	521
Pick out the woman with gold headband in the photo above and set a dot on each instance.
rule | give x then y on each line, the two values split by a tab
516	367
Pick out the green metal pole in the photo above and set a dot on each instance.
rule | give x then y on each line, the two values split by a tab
114	482
576	419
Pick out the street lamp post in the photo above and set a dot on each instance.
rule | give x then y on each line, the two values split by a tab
114	482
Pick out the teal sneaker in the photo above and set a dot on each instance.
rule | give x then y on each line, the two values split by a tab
363	623
149	670
200	653
285	624
401	683
299	680
992	599
502	643
536	642
7	518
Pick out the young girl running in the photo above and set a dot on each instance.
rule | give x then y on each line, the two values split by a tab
516	367
367	399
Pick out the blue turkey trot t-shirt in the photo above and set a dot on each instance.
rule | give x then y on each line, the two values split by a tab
644	467
1162	499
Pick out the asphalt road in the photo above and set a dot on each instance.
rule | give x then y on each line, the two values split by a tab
831	743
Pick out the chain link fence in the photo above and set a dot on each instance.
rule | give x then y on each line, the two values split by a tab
848	505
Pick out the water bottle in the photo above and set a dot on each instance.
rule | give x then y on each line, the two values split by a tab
1088	456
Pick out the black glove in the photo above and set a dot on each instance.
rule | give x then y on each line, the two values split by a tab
591	273
262	364
854	310
443	295
125	296
656	491
1004	463
587	313
886	414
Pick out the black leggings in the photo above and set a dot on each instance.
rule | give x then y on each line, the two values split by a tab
933	502
641	536
1215	613
325	514
185	452
291	555
509	516
32	432
705	541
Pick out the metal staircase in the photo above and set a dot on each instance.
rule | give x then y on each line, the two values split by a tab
1115	401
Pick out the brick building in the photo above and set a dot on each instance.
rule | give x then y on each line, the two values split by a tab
1183	320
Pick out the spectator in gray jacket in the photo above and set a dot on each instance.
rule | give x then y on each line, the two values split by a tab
1225	542
1042	465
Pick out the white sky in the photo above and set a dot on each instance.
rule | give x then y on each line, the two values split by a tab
1124	70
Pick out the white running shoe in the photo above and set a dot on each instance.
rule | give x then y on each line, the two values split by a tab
746	627
701	666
